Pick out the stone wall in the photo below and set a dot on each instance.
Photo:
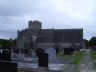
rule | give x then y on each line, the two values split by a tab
35	26
61	45
23	40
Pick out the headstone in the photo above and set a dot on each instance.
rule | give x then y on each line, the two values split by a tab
5	55
30	52
16	51
33	54
26	51
77	49
20	56
43	61
22	51
67	51
72	49
6	66
39	50
61	51
5	62
94	49
51	54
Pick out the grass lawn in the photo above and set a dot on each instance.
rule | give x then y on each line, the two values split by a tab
22	68
93	55
95	65
76	58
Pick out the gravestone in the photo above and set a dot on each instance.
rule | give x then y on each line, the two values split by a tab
22	51
61	51
72	49
94	49
5	62
6	66
67	51
20	56
51	54
56	46
77	49
16	51
34	54
39	50
5	55
26	51
30	52
42	61
57	50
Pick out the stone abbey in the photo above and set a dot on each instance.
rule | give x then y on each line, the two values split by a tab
35	37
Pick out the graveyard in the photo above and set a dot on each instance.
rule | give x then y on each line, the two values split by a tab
42	60
76	58
54	63
93	55
46	60
93	52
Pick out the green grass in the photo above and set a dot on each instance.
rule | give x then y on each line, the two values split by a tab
93	55
22	68
94	64
76	58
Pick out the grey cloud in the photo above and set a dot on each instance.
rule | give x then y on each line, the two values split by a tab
14	14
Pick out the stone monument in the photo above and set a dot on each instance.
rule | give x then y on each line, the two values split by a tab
51	54
43	61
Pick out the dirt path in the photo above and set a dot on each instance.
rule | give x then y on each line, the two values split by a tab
86	64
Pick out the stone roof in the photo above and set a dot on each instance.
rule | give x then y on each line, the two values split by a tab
31	32
22	32
60	36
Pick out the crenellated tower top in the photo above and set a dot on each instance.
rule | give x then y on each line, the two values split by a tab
35	25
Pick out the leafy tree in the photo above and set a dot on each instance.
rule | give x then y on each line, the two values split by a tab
14	41
10	41
1	40
92	41
87	42
6	44
0	46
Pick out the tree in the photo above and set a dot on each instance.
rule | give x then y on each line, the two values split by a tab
14	41
92	41
4	42
0	46
87	42
1	41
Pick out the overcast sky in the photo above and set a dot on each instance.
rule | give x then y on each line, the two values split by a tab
60	14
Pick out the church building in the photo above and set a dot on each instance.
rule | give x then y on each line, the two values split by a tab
35	37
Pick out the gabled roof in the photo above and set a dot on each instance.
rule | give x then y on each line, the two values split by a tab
31	32
60	36
46	32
